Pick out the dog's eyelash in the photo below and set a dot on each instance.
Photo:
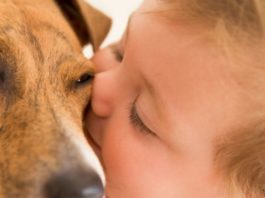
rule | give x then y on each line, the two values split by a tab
137	122
85	78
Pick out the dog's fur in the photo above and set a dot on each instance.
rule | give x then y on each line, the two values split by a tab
45	85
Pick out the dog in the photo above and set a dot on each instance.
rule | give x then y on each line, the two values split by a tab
45	87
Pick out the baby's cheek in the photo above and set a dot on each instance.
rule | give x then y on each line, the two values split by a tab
119	156
134	163
124	160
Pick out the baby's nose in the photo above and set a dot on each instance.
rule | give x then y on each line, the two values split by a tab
104	60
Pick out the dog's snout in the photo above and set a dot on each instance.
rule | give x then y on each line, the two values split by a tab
74	184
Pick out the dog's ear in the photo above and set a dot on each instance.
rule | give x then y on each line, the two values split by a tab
89	24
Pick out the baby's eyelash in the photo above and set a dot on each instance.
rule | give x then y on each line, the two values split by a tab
118	55
137	122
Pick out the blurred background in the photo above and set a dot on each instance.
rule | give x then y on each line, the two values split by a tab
118	11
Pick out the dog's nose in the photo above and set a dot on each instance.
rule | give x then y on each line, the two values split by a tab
74	184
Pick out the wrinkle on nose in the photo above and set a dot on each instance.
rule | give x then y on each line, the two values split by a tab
104	60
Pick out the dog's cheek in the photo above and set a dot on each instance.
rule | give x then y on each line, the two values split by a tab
81	99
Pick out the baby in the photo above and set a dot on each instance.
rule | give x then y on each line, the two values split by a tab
178	106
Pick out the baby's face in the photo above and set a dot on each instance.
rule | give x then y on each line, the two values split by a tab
159	106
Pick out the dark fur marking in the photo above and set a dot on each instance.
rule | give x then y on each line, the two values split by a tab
71	11
30	37
58	33
8	68
37	47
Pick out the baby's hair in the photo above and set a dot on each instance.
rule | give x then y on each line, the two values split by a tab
239	18
238	26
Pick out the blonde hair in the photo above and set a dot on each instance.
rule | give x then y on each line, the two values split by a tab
236	25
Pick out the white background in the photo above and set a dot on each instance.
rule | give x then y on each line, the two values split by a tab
119	11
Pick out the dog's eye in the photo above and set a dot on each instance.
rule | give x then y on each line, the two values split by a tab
3	70
2	77
85	78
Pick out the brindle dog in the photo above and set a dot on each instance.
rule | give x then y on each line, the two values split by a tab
45	86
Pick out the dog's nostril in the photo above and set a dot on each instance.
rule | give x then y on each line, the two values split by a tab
74	184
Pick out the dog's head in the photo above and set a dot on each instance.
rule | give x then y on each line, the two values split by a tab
45	86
